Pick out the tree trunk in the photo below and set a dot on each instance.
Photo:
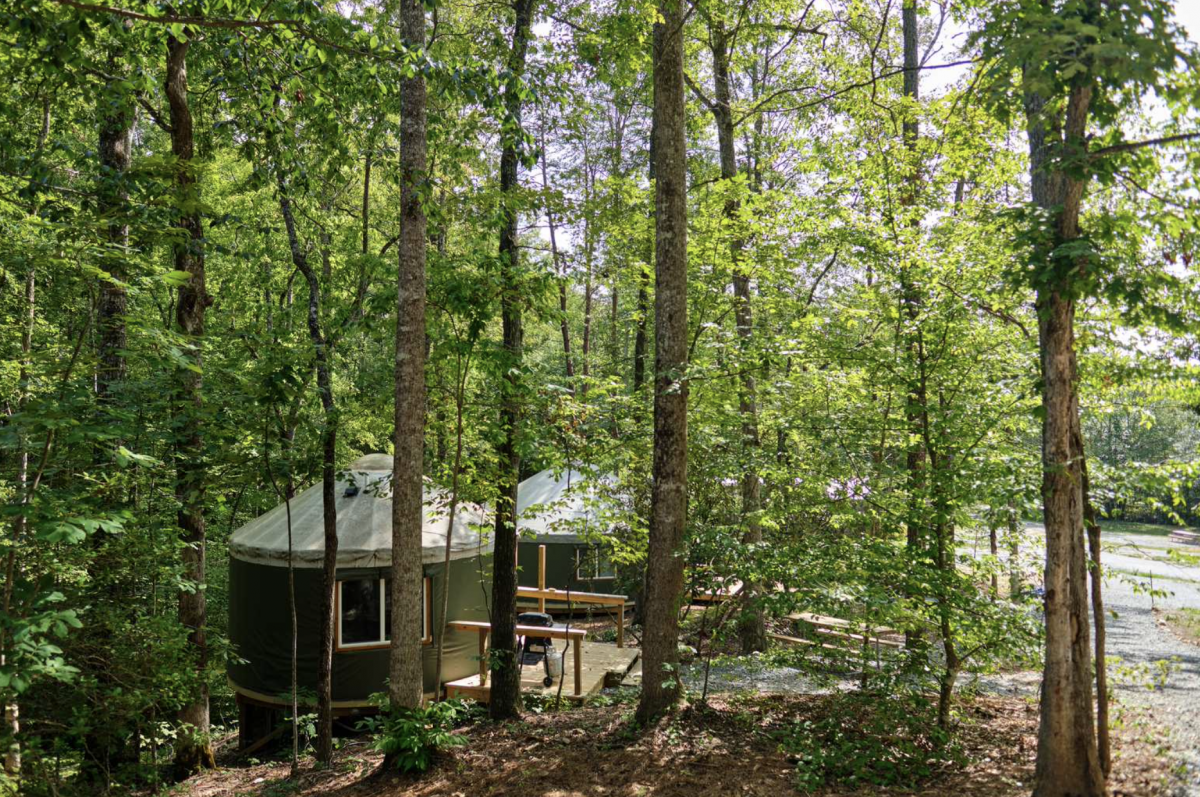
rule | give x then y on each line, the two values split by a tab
460	388
1068	760
559	266
193	748
1014	553
12	711
668	513
107	746
994	548
916	409
1097	575
643	295
406	686
505	670
751	624
112	195
324	747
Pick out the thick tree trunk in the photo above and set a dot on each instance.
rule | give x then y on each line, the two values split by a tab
193	748
1068	760
406	688
324	746
406	685
668	513
751	624
505	670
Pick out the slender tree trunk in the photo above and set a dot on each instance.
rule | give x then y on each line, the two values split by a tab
107	746
324	747
668	513
12	711
643	295
994	547
460	389
559	266
287	494
585	350
751	624
1097	575
406	688
916	409
1014	553
505	695
116	156
1068	760
193	748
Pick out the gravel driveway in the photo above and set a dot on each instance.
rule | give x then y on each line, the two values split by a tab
1156	670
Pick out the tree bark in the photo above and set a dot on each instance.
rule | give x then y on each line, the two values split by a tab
406	685
11	706
116	156
751	624
1097	575
668	513
193	748
559	266
643	295
1068	760
324	746
106	746
505	695
916	403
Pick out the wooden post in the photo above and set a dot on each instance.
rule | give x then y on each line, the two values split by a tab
578	668
542	576
483	662
621	626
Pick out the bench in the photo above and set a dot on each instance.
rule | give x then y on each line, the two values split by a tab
841	636
1189	537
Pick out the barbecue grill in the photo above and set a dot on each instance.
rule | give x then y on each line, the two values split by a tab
535	650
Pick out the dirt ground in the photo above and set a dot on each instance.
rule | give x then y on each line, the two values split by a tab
725	748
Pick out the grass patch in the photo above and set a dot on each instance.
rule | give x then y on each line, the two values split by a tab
1185	623
1134	527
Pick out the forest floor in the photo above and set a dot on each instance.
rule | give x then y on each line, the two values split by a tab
736	744
731	746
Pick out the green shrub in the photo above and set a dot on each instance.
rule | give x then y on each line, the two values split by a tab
409	737
867	739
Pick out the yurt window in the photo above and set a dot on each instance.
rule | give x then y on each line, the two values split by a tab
593	564
364	613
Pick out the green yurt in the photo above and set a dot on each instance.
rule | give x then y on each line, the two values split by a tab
565	511
259	608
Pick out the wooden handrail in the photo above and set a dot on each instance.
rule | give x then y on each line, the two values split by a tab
550	593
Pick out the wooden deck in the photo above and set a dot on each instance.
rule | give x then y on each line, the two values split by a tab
603	665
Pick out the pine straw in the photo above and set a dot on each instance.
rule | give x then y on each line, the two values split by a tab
718	750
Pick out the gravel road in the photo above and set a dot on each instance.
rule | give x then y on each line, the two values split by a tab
1156	670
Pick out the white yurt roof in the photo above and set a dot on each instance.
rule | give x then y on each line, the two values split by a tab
364	524
560	506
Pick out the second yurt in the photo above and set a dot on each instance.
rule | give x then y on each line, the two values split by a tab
566	511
